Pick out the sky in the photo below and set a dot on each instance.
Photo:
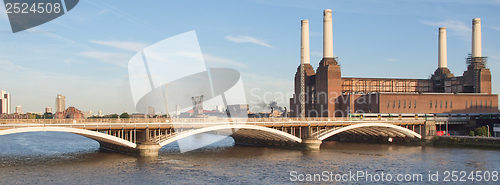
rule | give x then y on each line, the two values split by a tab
84	54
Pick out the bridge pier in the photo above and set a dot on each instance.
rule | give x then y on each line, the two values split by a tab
144	147
148	150
429	130
311	144
142	150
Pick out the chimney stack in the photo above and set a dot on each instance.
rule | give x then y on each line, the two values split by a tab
304	44
442	55
327	34
476	37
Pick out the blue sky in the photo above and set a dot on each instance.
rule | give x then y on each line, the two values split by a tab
84	53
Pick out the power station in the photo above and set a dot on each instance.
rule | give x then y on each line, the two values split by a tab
325	93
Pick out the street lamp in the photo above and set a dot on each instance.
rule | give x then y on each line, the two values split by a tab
488	126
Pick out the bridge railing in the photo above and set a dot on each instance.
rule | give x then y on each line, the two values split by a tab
193	125
203	120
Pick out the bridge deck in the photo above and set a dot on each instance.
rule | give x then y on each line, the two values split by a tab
193	125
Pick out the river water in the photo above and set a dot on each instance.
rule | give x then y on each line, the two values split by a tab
63	158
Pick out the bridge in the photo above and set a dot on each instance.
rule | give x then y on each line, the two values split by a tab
145	137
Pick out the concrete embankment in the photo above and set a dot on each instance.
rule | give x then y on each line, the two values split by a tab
467	141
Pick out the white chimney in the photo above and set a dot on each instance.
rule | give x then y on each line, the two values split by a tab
327	34
442	56
304	43
476	37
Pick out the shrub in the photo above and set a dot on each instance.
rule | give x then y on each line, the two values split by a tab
471	133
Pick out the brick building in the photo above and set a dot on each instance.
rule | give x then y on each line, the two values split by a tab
69	113
326	93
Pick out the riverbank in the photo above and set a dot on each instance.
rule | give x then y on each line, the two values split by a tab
468	141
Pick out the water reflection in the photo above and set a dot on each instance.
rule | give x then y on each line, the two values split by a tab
61	158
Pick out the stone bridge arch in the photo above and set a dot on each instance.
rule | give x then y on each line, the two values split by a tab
264	132
382	128
100	137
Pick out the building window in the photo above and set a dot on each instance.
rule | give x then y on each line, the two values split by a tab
409	103
451	104
415	104
476	104
446	104
399	104
481	105
388	104
430	103
436	104
441	106
466	106
404	104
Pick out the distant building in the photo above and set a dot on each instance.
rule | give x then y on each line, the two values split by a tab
60	103
324	92
19	109
17	116
273	114
238	110
48	109
87	114
70	113
4	102
219	108
151	111
177	110
197	106
100	113
138	115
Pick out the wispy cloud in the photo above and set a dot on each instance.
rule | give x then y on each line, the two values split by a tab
392	60
494	57
123	45
10	66
263	88
3	15
103	91
118	59
455	27
248	39
495	28
316	53
223	61
467	2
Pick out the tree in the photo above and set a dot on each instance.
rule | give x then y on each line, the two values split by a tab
471	133
124	115
47	115
480	131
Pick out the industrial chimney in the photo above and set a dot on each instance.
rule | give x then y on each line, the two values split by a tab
327	34
304	44
442	55
476	37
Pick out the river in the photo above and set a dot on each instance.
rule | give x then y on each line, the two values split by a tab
63	158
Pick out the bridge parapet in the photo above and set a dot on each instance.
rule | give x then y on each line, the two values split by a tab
207	120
